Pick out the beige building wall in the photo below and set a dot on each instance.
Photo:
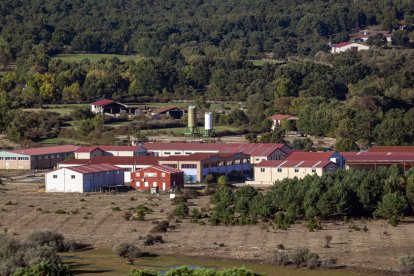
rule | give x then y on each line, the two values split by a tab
268	175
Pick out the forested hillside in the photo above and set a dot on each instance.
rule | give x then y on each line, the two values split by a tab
146	26
202	50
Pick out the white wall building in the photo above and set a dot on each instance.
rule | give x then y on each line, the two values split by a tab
128	164
348	46
82	179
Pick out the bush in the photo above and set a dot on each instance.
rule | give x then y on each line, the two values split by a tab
126	251
48	238
314	224
222	180
161	227
127	215
151	240
189	194
45	267
181	211
177	200
407	264
304	257
280	258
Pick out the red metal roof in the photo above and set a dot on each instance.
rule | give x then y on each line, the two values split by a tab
309	156
108	148
378	157
293	164
278	117
199	156
46	150
339	45
86	169
116	160
164	168
254	149
391	149
102	102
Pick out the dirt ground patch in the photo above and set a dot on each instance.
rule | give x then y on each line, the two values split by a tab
91	219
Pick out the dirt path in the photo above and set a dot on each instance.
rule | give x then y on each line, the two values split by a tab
90	219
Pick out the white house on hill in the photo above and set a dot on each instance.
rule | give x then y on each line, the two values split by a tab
348	46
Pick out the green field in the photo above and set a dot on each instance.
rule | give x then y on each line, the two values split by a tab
62	109
104	262
180	130
96	57
59	141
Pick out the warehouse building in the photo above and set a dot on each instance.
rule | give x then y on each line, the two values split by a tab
376	159
35	158
269	171
161	176
127	163
198	165
83	179
332	156
257	151
94	151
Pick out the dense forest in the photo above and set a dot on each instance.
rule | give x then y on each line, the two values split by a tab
203	50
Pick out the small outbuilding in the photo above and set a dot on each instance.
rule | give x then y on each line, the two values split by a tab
161	176
82	179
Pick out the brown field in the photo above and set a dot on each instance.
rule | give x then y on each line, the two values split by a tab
90	219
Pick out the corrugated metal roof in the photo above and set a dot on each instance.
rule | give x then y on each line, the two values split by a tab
163	168
372	157
199	156
391	149
293	164
108	148
254	149
309	156
46	150
116	160
102	102
86	169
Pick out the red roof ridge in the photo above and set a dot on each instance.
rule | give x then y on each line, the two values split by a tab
94	168
102	102
342	44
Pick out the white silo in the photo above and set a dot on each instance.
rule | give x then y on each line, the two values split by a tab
208	124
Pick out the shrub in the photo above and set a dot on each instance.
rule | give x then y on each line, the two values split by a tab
161	227
209	179
328	240
314	224
222	180
48	238
407	264
196	214
304	257
151	240
280	258
45	267
126	251
177	200
189	194
116	209
127	215
181	211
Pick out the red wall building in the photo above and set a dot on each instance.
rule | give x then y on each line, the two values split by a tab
164	177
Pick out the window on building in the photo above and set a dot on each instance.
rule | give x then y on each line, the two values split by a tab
163	174
55	176
138	174
167	153
72	176
154	184
296	170
187	153
128	169
188	166
262	169
150	174
177	153
1	158
172	165
314	170
279	170
138	183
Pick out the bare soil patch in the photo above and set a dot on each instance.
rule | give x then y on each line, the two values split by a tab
94	219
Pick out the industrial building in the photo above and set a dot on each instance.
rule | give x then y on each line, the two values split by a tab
164	177
376	159
35	158
127	163
198	165
332	156
82	179
256	151
94	151
269	171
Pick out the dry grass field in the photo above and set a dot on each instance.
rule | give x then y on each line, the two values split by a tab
92	219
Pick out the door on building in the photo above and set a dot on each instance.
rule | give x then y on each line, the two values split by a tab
163	186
